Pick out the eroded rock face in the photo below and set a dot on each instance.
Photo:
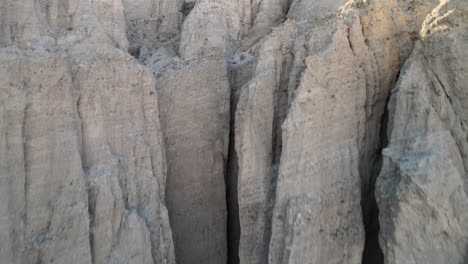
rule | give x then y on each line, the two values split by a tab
260	123
196	154
83	161
422	189
119	111
44	200
254	133
150	23
326	169
331	81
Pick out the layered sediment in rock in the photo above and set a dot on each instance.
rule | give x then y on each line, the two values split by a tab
44	209
254	133
326	165
267	117
422	188
196	153
87	182
335	77
192	87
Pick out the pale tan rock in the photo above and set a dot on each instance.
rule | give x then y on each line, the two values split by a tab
196	156
248	10
254	136
331	137
121	137
134	244
83	158
422	189
382	37
313	10
210	25
85	179
195	87
319	177
111	16
53	18
241	68
43	213
270	12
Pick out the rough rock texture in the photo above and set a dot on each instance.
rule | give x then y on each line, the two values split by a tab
44	209
255	118
260	123
422	189
151	22
83	163
196	154
313	10
193	87
122	145
331	81
209	26
324	164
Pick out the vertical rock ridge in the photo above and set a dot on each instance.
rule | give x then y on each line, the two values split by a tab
256	115
427	148
196	153
91	188
277	116
376	69
240	73
130	159
296	210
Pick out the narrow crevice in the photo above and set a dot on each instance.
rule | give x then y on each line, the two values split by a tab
91	214
281	108
238	76
233	220
231	181
373	253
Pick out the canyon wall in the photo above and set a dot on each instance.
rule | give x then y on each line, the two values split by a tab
422	188
246	131
83	166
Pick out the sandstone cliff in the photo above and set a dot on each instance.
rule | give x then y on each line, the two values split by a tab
422	188
83	159
233	131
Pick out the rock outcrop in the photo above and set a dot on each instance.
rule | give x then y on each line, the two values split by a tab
239	131
196	154
331	81
44	208
150	23
422	189
256	117
83	162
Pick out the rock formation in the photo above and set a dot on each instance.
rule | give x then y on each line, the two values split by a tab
83	161
422	188
233	131
196	156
